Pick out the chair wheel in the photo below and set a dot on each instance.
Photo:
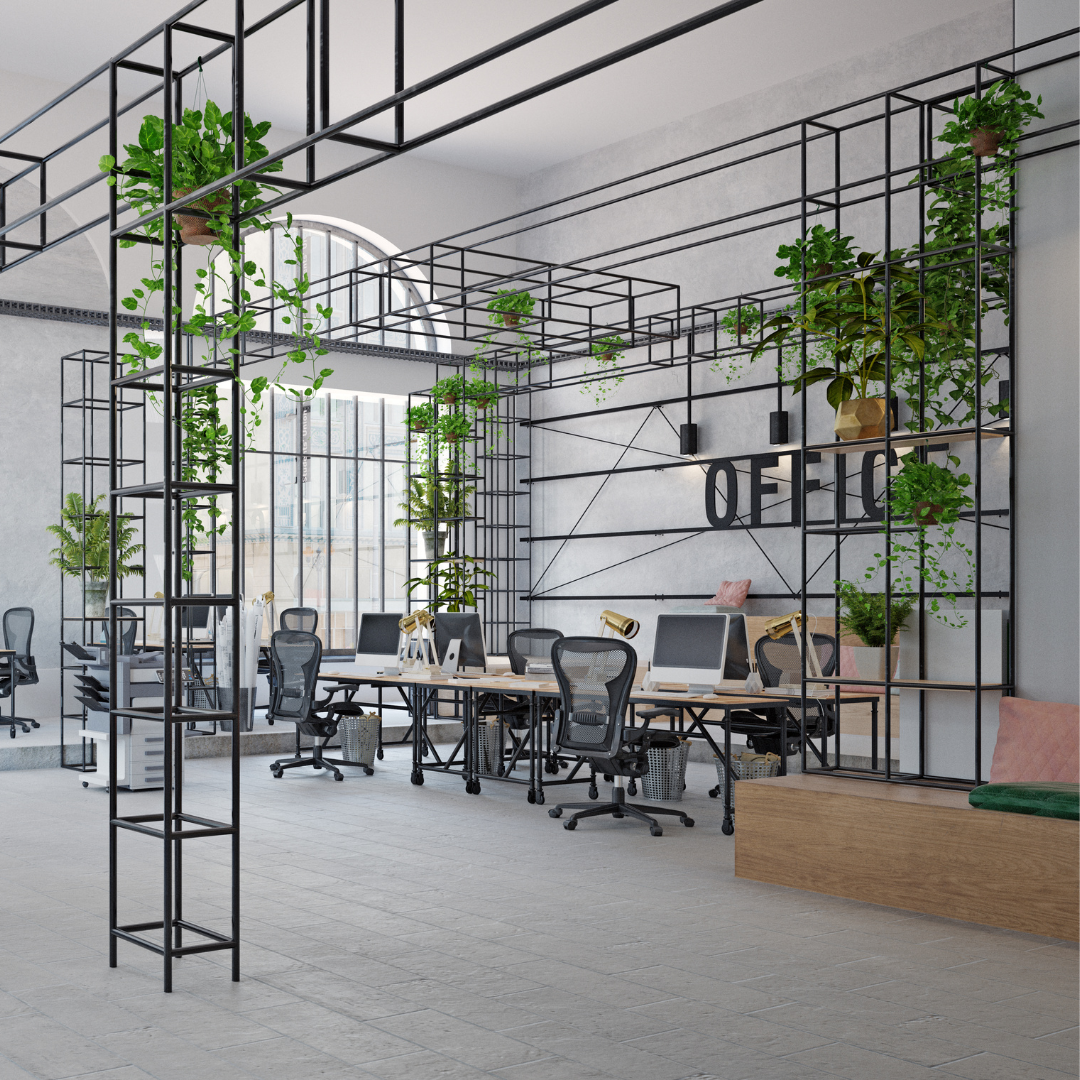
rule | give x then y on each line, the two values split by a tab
656	830
594	793
688	822
631	788
85	783
338	776
727	828
34	723
531	796
713	792
279	773
12	732
417	777
368	772
555	811
379	754
571	825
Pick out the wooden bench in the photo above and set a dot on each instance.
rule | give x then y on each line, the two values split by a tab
918	848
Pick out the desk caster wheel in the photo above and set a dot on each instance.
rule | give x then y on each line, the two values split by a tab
368	772
570	825
278	773
656	830
727	828
417	778
688	822
379	753
594	792
631	788
12	732
555	811
540	797
85	784
531	796
472	787
713	792
34	723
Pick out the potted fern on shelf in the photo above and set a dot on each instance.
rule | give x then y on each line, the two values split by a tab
863	614
83	533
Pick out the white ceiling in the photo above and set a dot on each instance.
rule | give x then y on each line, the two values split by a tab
770	43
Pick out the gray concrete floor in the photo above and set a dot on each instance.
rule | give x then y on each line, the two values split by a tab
394	931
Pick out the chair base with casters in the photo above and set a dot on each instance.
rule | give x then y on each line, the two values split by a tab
619	808
324	730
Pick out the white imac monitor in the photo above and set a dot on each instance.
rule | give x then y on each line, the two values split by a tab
699	650
465	627
377	643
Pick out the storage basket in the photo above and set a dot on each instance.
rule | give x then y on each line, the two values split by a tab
758	769
666	778
490	743
360	737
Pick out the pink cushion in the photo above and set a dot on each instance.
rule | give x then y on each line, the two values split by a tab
731	593
1037	740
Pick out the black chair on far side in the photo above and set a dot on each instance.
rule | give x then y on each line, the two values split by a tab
299	618
20	669
129	627
595	676
295	657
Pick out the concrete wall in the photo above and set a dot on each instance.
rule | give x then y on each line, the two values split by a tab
676	564
1047	394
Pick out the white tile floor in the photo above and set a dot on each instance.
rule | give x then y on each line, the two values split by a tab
392	931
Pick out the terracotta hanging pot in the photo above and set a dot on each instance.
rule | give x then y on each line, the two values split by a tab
862	418
197	230
449	399
510	318
743	330
605	357
419	429
821	270
451	437
985	142
484	403
926	513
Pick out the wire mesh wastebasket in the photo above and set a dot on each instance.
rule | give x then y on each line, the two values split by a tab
490	744
753	767
666	778
360	737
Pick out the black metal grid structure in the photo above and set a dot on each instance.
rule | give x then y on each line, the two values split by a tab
174	377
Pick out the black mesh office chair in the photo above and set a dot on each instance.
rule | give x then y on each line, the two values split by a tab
20	669
595	676
295	657
299	618
780	664
129	629
521	646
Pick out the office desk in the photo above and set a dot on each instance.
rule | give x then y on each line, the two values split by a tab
11	718
725	702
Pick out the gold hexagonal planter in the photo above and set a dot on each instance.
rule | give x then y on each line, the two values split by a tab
862	418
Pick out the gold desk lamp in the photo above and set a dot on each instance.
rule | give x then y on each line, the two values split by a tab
618	624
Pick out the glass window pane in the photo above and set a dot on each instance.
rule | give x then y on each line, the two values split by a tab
370	429
285	440
286	531
367	580
343	554
342	425
395	428
316	542
315	424
257	530
394	544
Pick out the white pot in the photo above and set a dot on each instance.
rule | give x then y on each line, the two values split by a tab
870	662
95	599
427	544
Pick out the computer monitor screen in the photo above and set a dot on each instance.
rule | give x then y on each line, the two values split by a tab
737	657
464	625
690	649
377	643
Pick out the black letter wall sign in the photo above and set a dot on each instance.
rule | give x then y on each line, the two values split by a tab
759	486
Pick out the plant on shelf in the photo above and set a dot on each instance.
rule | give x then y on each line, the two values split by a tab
607	352
509	306
453	427
860	330
481	394
929	497
420	418
863	613
428	499
451	390
203	153
453	580
993	122
83	533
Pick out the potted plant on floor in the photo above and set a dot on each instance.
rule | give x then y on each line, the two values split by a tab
83	533
863	614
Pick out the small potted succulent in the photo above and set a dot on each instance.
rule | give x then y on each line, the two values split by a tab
863	614
83	533
509	305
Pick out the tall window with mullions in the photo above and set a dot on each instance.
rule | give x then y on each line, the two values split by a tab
322	485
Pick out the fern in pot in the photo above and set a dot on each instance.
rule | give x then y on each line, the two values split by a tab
864	615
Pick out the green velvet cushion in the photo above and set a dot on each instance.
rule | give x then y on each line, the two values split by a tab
1043	798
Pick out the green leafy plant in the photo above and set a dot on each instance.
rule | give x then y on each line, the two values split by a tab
451	390
825	250
1004	110
852	319
509	306
481	394
863	613
83	533
453	427
607	352
930	498
454	580
420	418
427	499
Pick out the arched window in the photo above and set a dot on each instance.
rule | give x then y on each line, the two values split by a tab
376	299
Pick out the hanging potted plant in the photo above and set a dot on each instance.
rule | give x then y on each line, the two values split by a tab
863	614
930	498
83	533
852	321
454	426
607	351
481	394
995	120
509	306
450	390
420	417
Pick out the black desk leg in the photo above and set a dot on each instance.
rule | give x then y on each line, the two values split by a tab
416	710
536	751
472	742
727	827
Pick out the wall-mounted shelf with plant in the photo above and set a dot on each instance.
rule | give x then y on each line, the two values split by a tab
875	621
84	549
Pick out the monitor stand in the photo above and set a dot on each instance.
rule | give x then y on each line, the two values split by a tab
700	689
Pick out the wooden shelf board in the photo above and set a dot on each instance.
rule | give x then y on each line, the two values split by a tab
900	441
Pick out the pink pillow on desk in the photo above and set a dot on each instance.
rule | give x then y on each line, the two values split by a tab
731	593
1037	740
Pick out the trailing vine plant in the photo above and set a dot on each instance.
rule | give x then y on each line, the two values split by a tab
203	152
607	352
